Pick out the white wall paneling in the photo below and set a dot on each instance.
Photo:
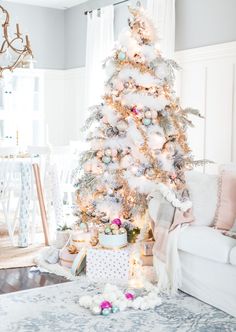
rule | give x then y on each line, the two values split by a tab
207	82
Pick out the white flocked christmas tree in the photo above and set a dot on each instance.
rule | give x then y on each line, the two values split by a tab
137	136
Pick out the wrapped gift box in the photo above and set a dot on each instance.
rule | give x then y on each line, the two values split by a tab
66	258
147	260
80	238
105	265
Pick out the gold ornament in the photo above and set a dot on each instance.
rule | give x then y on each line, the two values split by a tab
94	241
72	249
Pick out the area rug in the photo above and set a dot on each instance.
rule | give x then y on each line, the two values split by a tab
55	308
13	257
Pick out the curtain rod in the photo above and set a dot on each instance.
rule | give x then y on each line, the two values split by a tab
115	4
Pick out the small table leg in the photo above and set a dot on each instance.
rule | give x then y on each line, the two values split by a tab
41	202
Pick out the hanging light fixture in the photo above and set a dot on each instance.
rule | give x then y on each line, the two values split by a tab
15	51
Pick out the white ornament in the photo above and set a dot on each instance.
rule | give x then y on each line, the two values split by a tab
122	125
96	310
148	114
154	114
108	152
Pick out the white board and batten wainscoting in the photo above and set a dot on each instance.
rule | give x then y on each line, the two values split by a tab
207	81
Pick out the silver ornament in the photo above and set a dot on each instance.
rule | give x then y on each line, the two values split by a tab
122	125
148	114
108	152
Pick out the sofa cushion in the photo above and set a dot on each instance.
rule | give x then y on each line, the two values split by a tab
206	242
232	256
203	194
226	207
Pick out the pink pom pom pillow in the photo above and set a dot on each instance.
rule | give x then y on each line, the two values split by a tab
226	208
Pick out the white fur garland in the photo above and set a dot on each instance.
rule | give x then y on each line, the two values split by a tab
117	297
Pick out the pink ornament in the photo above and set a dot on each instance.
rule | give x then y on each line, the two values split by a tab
104	119
117	222
135	110
105	305
173	176
129	296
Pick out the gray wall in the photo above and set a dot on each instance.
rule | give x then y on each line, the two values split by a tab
45	27
204	22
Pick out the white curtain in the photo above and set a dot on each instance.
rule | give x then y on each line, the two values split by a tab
100	39
163	14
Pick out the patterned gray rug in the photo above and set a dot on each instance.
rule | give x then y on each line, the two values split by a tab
55	308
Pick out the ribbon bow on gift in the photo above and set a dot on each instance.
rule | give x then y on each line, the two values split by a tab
72	249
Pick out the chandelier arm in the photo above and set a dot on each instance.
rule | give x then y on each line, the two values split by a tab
8	44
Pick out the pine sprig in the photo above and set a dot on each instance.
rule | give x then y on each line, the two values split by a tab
193	111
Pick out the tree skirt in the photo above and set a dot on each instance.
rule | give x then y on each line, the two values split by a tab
55	308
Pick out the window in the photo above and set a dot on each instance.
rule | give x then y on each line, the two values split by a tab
21	109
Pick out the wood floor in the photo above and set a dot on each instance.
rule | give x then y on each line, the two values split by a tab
12	280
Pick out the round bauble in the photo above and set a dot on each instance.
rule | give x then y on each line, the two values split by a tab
148	114
94	241
110	132
129	296
126	85
121	56
105	305
122	125
114	152
119	85
122	230
83	226
117	222
108	152
96	310
99	154
104	119
106	312
122	133
106	159
114	227
150	173
115	309
88	168
146	122
154	114
135	110
107	230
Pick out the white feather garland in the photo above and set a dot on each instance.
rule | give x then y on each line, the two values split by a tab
143	100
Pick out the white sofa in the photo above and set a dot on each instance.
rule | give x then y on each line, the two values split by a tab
208	258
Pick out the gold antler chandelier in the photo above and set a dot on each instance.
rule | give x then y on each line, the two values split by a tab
14	51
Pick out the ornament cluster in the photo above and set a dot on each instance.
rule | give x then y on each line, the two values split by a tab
113	300
114	228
